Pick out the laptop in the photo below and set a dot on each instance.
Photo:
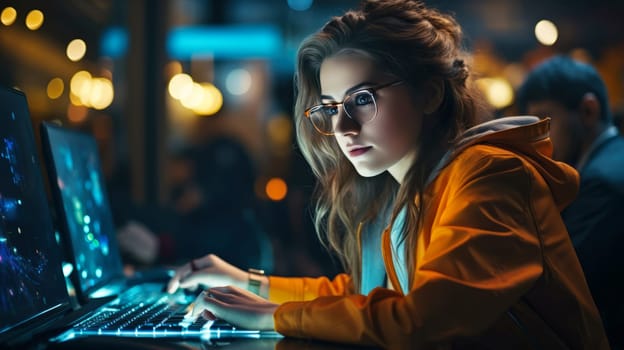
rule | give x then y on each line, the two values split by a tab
84	215
34	300
33	288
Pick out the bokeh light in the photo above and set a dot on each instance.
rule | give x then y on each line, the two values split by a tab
180	86
101	94
80	86
546	32
498	91
74	99
34	19
91	92
55	88
76	50
193	99
76	114
238	81
276	189
211	101
8	16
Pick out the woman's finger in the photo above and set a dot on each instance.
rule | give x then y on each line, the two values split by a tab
187	269
227	297
174	282
173	285
236	308
176	277
206	301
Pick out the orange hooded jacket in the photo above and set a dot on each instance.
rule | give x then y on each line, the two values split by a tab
494	266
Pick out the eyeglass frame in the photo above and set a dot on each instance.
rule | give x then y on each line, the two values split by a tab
372	90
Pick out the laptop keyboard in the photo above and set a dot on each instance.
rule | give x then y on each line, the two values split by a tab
142	313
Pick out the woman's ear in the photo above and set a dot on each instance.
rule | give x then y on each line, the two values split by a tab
433	93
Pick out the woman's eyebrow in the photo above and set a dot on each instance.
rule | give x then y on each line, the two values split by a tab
350	90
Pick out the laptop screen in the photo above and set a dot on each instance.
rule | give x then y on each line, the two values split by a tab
80	197
31	280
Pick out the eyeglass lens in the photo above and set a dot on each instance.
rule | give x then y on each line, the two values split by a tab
360	107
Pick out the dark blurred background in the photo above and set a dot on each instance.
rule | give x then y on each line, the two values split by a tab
191	103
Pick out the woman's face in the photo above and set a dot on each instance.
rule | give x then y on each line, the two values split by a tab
389	141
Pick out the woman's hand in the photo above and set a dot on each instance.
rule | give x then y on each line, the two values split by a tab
138	242
236	306
208	271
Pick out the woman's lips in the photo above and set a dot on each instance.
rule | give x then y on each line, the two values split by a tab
354	152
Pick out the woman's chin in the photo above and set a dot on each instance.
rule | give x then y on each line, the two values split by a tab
367	172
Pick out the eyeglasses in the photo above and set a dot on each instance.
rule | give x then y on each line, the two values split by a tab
360	106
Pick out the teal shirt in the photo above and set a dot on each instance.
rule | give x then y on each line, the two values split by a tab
373	269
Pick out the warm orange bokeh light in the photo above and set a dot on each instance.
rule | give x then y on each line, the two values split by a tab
8	15
276	189
34	19
76	114
55	88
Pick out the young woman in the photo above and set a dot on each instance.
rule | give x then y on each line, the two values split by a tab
449	231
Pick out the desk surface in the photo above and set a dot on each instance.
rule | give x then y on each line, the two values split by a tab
114	343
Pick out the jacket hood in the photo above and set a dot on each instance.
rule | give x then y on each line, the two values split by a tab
527	136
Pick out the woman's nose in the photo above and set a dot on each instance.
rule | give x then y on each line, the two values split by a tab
343	124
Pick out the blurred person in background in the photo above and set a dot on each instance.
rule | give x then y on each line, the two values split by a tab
145	232
216	206
449	231
573	95
211	207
